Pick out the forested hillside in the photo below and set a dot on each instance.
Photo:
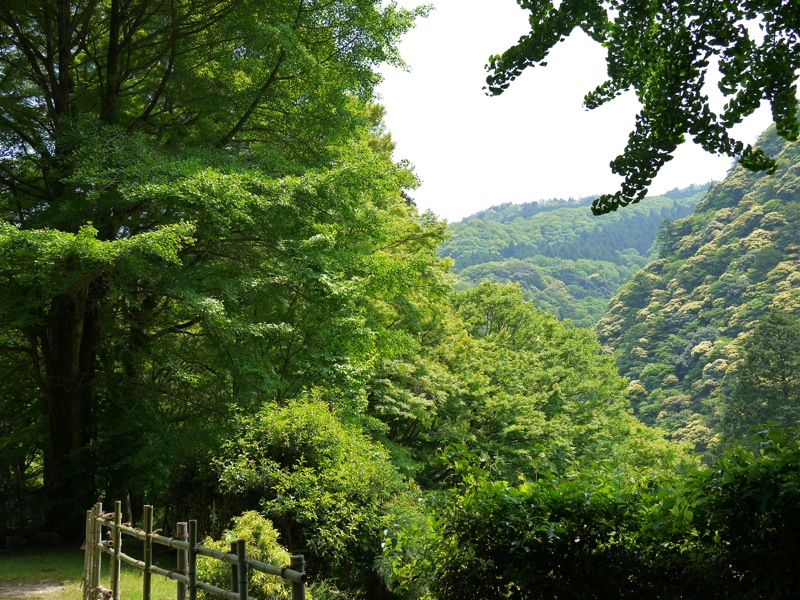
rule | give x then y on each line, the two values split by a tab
567	261
723	293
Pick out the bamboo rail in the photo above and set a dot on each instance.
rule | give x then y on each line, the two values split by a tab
185	573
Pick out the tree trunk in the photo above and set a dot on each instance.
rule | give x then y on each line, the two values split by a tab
69	348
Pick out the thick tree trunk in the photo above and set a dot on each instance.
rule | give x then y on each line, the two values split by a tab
69	347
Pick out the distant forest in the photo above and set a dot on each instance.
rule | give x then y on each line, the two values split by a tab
567	261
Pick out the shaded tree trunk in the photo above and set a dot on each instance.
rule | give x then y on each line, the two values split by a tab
69	349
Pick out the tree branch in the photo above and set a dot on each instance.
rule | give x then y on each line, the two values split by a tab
226	139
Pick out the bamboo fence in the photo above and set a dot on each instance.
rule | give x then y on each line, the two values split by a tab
187	551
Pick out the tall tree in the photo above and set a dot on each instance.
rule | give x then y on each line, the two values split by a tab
178	180
767	383
663	50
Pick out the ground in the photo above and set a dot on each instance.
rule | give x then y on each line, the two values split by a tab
41	573
11	590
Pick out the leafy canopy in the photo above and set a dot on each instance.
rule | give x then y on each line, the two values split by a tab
664	50
191	194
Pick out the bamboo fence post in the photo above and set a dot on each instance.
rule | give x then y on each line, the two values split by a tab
182	559
97	538
241	552
87	555
192	567
147	553
117	539
234	570
298	563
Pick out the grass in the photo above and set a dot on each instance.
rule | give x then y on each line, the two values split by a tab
47	566
65	567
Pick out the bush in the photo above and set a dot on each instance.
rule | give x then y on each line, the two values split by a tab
323	483
727	531
262	544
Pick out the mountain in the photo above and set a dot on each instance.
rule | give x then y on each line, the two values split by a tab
567	261
679	326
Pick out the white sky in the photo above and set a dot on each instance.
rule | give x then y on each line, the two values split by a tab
533	142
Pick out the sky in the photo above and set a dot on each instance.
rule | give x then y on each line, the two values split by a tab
533	142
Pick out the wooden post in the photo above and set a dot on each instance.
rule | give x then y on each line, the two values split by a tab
234	570
298	563
192	568
117	539
87	555
182	559
147	554
97	538
241	552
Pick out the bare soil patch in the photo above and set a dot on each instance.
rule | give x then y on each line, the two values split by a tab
9	590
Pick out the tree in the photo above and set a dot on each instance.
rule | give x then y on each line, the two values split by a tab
182	186
767	383
511	382
663	50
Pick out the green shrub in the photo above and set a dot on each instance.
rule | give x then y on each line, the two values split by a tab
262	544
323	483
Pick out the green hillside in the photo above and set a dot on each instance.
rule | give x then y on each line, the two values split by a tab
679	328
567	261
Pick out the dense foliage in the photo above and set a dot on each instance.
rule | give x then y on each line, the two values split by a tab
664	51
679	328
323	484
766	387
262	544
729	531
217	298
198	205
512	382
567	262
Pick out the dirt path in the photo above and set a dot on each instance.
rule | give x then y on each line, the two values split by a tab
9	590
